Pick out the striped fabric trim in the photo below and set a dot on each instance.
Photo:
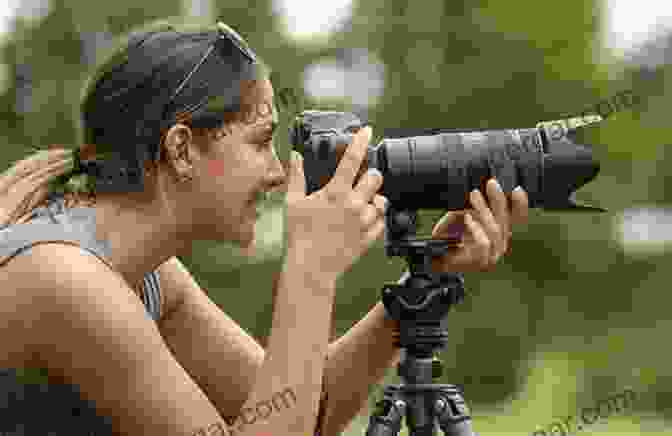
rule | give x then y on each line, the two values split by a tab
151	293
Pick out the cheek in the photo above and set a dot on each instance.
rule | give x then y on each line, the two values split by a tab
216	168
225	183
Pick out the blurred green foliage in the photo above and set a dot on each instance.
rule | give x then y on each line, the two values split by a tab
568	317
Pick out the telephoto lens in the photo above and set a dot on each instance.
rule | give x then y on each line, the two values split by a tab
438	171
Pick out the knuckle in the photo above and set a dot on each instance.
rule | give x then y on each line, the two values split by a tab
357	203
376	218
499	235
369	218
352	155
333	193
477	201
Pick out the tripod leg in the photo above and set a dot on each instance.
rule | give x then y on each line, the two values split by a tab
453	414
386	419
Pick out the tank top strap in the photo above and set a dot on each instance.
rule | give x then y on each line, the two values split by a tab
75	226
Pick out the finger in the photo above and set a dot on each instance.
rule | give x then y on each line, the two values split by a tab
476	255
351	161
370	215
381	204
296	187
519	205
499	205
376	232
369	184
482	243
374	211
483	215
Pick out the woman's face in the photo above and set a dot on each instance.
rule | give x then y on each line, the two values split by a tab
241	163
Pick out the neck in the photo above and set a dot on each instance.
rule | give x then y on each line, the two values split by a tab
141	238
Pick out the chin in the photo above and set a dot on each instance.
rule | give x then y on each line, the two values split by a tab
249	250
247	234
248	245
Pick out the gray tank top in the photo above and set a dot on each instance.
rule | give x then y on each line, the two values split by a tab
75	226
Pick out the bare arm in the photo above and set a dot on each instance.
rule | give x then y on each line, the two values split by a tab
94	332
296	350
212	346
222	357
357	360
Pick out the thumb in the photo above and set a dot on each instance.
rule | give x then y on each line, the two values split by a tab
297	181
451	225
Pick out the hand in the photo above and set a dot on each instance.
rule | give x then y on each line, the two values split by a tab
486	232
335	226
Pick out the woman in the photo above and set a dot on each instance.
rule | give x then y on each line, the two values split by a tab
182	124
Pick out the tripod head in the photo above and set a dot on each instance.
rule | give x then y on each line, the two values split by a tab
427	296
420	306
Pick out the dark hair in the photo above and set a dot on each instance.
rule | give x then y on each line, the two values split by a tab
124	110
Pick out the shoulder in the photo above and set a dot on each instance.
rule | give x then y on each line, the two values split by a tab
53	272
47	263
93	332
57	285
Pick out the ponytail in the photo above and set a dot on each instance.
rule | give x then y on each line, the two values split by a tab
29	182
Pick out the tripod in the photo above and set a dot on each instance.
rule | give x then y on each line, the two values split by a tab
420	306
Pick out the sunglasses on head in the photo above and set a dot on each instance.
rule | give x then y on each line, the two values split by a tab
227	41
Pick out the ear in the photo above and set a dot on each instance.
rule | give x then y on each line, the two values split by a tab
177	135
179	149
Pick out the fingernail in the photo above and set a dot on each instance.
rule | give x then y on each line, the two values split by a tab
374	172
518	188
498	186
